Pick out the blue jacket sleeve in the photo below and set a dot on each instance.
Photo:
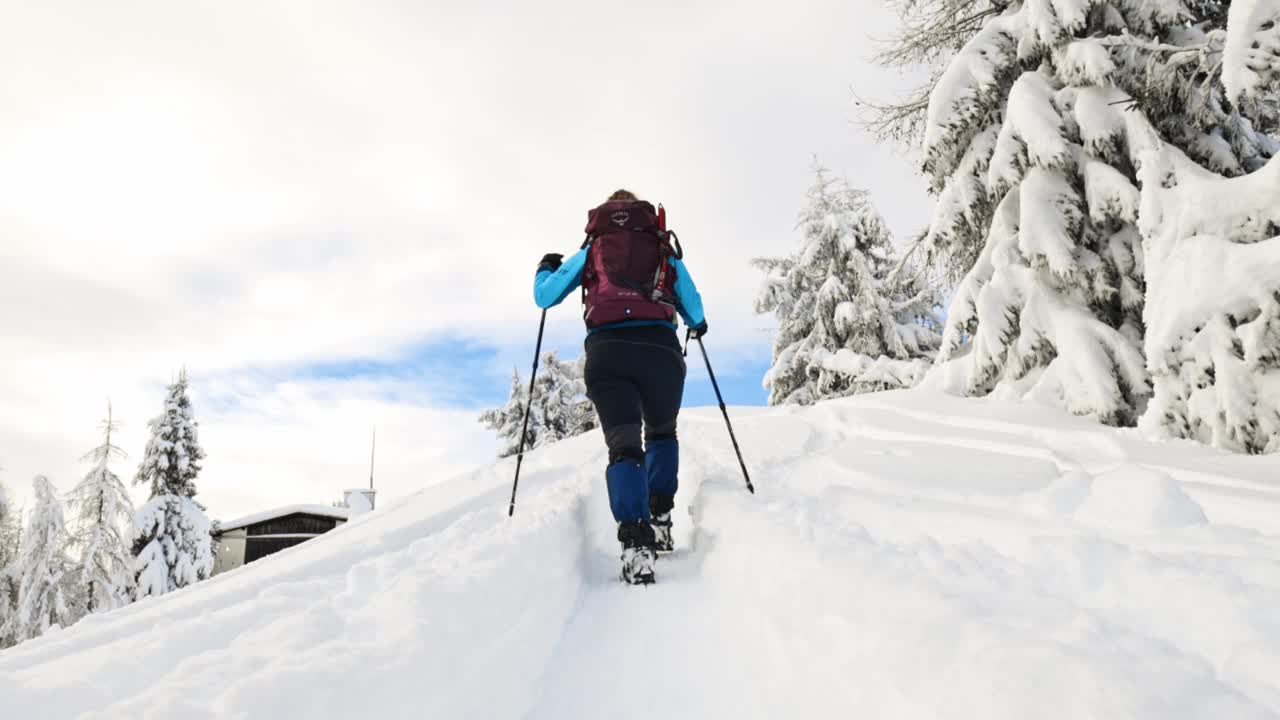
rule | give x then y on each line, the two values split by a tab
551	288
689	302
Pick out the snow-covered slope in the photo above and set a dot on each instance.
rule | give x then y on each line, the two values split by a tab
908	555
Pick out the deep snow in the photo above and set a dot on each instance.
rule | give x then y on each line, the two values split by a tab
908	555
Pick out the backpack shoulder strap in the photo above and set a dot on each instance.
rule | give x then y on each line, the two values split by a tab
673	241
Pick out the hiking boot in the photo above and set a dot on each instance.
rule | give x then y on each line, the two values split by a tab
637	565
638	555
660	506
661	524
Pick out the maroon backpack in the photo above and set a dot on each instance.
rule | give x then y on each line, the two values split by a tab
628	275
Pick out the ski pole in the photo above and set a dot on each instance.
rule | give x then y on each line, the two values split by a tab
511	509
724	411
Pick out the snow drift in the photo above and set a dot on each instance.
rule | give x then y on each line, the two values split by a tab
909	555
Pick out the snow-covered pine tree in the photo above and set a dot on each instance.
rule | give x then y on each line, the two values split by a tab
1032	137
102	511
171	543
10	533
42	569
851	319
560	407
173	454
507	420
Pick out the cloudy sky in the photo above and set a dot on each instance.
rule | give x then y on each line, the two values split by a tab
329	212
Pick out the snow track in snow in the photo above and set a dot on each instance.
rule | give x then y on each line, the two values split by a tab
907	555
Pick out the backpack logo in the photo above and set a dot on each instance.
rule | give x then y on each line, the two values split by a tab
620	218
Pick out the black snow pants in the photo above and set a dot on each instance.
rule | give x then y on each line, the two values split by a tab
635	378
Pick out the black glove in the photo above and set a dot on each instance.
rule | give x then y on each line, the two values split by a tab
551	261
697	331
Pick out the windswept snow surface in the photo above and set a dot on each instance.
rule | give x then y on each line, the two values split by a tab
908	555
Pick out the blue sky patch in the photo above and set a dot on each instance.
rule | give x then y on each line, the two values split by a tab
458	373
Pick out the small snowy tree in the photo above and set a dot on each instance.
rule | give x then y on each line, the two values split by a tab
1032	138
560	407
508	419
102	510
171	543
41	568
10	534
850	319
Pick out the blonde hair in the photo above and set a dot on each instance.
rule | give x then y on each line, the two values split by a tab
623	195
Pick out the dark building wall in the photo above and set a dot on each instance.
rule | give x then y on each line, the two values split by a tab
261	547
295	524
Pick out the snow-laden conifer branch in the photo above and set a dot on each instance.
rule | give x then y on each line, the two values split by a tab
1252	50
1213	302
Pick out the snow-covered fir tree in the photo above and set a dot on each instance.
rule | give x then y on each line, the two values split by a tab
1032	138
851	318
560	407
42	569
173	455
10	535
102	514
171	543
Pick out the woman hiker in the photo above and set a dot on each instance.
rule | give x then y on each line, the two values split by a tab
633	286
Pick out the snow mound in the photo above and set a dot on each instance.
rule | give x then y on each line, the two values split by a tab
894	563
1133	497
1062	497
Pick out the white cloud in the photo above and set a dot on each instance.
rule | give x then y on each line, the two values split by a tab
238	187
269	441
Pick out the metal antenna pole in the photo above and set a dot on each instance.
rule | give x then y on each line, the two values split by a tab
373	453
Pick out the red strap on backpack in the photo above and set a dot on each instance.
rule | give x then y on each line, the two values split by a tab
660	275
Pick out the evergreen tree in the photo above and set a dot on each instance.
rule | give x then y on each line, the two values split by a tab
173	454
850	318
102	511
42	569
171	533
560	408
1032	138
10	536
